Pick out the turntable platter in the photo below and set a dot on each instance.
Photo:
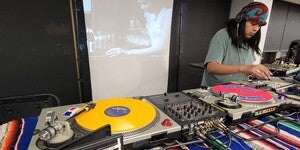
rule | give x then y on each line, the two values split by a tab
123	114
245	93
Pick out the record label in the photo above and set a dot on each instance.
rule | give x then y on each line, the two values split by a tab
117	111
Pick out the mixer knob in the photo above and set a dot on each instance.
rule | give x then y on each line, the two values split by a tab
178	108
203	112
192	111
184	113
189	116
176	113
196	114
176	95
188	109
172	111
184	106
199	110
166	99
180	116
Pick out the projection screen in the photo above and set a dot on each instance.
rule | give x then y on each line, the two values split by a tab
128	43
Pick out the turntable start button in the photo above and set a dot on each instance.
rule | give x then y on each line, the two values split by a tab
167	123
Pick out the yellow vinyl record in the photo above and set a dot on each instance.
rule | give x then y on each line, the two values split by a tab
123	114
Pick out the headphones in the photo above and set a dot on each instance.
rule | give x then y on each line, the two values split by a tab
242	14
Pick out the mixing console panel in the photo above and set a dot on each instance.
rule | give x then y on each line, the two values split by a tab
187	111
282	69
190	110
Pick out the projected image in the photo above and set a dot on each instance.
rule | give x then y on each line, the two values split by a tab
128	43
152	35
148	27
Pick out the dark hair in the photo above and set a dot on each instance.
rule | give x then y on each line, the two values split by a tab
238	39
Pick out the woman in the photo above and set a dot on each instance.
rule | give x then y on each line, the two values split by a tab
231	52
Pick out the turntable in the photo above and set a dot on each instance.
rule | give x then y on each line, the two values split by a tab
241	102
140	122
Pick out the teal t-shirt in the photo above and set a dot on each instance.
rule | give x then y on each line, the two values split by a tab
222	51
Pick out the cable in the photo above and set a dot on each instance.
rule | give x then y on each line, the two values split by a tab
258	138
241	145
214	143
187	143
227	143
230	139
250	128
258	125
288	118
254	129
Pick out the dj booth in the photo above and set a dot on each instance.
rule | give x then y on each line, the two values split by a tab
237	115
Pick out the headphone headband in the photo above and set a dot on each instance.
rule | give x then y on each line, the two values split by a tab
255	11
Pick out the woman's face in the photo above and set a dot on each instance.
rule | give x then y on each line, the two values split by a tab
251	29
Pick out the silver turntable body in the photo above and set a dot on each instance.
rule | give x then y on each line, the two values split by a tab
162	128
246	109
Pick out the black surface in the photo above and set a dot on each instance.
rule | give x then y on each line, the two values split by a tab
83	58
197	65
276	26
25	106
97	139
292	30
193	25
283	26
38	51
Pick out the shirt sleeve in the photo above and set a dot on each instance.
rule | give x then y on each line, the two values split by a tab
217	48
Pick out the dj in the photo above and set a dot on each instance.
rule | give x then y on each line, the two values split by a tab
231	52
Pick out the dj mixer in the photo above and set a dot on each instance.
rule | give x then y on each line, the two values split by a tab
187	111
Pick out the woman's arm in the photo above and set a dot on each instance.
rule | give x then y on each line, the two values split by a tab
259	71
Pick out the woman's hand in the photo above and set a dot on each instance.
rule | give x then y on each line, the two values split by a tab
258	71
